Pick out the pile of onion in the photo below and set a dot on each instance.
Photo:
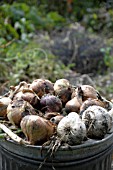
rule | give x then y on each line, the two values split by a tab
44	110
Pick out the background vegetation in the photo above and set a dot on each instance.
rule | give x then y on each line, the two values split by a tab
21	58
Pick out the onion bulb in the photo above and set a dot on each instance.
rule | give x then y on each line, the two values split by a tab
16	91
63	90
71	129
73	105
97	120
91	102
37	129
86	91
42	86
4	102
50	103
17	109
31	97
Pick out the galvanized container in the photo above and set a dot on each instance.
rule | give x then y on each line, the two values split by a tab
91	155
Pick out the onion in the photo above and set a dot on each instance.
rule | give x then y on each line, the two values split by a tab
91	102
56	119
98	121
37	129
17	109
86	91
63	90
50	103
73	105
42	86
71	129
29	96
49	115
4	102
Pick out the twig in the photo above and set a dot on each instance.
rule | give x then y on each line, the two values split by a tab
23	83
12	135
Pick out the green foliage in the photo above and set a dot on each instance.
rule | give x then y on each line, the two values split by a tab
99	20
36	63
21	21
26	62
108	59
14	23
20	57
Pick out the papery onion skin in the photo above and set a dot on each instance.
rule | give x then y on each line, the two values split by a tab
4	102
91	102
16	111
16	91
63	90
49	115
37	129
29	96
42	86
56	119
86	91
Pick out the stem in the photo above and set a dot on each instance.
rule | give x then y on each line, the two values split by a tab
12	135
23	83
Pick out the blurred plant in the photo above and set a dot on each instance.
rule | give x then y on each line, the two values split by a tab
99	20
18	24
31	63
21	21
108	59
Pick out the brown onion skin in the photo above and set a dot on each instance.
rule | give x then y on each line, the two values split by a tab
29	96
50	103
65	95
16	91
73	105
49	115
56	119
15	111
18	96
86	91
63	90
61	84
4	102
91	102
37	129
42	86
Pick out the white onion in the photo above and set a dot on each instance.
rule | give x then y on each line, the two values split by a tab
98	121
71	129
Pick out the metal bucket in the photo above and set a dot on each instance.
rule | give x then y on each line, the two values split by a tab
91	155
